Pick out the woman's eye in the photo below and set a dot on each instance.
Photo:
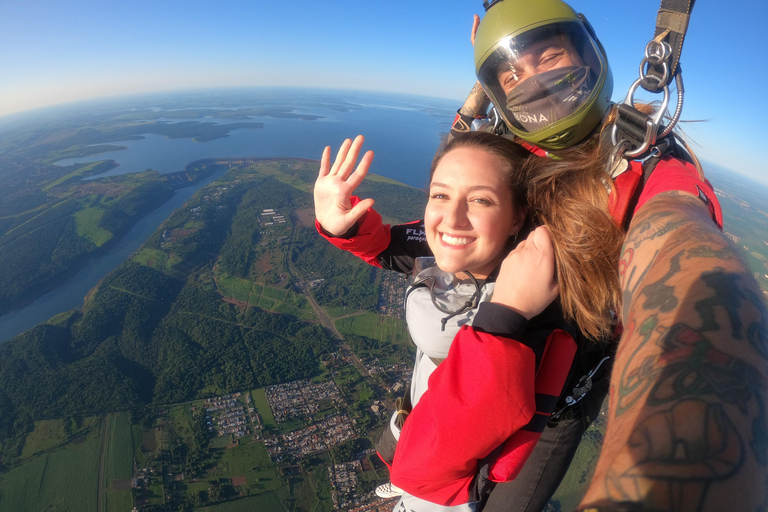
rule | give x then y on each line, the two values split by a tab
438	195
484	202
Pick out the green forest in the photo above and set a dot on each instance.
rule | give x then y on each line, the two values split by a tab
77	219
210	305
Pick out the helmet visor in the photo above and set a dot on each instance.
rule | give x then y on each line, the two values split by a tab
542	76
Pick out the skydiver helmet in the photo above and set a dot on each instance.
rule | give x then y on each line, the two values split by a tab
544	70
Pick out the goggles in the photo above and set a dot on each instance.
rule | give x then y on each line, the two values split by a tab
449	294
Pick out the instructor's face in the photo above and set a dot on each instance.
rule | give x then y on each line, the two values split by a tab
545	55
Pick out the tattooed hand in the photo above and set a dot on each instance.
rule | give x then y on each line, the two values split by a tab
688	428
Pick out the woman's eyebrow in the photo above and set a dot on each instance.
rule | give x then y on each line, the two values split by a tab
472	188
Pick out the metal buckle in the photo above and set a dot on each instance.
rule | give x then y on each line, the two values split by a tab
580	390
656	53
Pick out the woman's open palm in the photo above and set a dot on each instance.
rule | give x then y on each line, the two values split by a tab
335	185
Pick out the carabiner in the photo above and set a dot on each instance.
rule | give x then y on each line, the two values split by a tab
651	125
657	53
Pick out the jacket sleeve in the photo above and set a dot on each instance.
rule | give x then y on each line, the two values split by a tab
477	398
674	174
366	240
378	244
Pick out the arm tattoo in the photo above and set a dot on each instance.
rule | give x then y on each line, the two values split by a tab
659	295
690	382
682	463
477	102
653	227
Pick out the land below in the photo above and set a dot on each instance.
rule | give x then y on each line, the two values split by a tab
235	361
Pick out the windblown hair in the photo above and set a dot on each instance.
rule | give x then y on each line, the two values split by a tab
569	196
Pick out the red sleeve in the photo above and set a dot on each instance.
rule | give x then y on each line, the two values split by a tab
371	238
550	381
481	394
673	174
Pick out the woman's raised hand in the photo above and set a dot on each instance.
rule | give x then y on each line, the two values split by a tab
526	281
335	185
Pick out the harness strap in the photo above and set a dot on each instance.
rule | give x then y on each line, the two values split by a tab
633	132
626	186
629	184
671	26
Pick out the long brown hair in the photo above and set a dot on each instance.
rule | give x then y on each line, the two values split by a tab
570	197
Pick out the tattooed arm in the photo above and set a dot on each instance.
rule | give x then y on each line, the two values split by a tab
476	104
687	428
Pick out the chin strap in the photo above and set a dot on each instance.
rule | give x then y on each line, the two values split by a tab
634	134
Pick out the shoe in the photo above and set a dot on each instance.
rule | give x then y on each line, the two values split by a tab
388	490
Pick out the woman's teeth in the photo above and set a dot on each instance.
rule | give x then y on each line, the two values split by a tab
453	240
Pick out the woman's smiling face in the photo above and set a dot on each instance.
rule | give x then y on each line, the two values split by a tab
471	213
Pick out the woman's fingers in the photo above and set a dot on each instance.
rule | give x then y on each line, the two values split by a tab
344	165
340	156
475	24
349	162
359	209
541	239
325	162
526	281
362	170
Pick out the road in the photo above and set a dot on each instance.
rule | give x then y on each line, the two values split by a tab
321	314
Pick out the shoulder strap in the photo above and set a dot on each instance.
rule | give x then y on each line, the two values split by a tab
629	184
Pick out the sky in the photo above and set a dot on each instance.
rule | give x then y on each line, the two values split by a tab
54	52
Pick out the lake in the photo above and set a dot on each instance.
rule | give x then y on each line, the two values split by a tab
403	131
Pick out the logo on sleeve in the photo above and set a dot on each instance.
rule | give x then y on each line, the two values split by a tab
415	235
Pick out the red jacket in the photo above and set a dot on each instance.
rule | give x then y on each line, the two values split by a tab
669	174
493	393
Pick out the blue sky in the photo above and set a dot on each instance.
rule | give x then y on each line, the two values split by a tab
53	52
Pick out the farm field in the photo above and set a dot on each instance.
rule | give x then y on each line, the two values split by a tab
62	479
249	504
119	456
252	462
118	501
262	407
263	296
376	326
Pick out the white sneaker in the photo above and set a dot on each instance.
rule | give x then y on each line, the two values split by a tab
388	490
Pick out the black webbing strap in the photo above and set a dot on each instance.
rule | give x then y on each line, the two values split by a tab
671	26
632	124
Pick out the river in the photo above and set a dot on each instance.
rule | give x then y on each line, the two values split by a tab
403	131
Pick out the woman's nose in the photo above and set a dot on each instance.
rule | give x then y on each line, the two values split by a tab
455	215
